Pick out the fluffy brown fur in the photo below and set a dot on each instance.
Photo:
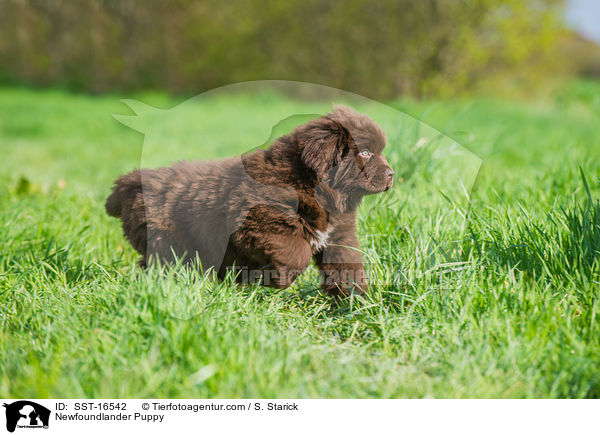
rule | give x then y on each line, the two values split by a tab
267	213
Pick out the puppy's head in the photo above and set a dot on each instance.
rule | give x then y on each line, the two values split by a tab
344	149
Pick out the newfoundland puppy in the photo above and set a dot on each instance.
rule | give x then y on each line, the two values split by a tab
265	215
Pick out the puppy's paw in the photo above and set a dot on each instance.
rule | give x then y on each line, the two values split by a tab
342	291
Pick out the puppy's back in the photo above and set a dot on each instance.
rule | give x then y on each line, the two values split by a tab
179	209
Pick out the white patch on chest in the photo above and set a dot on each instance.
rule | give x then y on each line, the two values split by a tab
320	241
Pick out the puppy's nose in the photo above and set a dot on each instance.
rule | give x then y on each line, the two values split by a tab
389	173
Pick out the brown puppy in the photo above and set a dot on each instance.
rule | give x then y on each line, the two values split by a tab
267	213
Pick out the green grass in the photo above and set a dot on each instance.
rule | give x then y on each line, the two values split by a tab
494	297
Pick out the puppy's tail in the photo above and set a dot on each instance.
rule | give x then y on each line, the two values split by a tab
127	188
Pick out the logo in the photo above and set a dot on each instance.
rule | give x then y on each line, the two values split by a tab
26	414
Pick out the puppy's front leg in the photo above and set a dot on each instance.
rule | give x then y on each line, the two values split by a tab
289	257
283	257
340	263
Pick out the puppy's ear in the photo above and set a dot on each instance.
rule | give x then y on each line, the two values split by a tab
325	143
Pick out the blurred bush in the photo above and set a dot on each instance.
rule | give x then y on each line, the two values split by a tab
582	56
379	49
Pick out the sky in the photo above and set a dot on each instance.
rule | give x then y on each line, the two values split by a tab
584	17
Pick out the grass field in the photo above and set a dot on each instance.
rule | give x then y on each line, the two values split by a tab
498	296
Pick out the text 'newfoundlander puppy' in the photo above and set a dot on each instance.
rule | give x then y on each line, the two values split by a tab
268	212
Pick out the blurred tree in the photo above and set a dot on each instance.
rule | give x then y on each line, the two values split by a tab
379	49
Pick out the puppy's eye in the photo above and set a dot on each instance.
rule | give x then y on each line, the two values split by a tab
365	154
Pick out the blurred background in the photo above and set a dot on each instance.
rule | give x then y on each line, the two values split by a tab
377	49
